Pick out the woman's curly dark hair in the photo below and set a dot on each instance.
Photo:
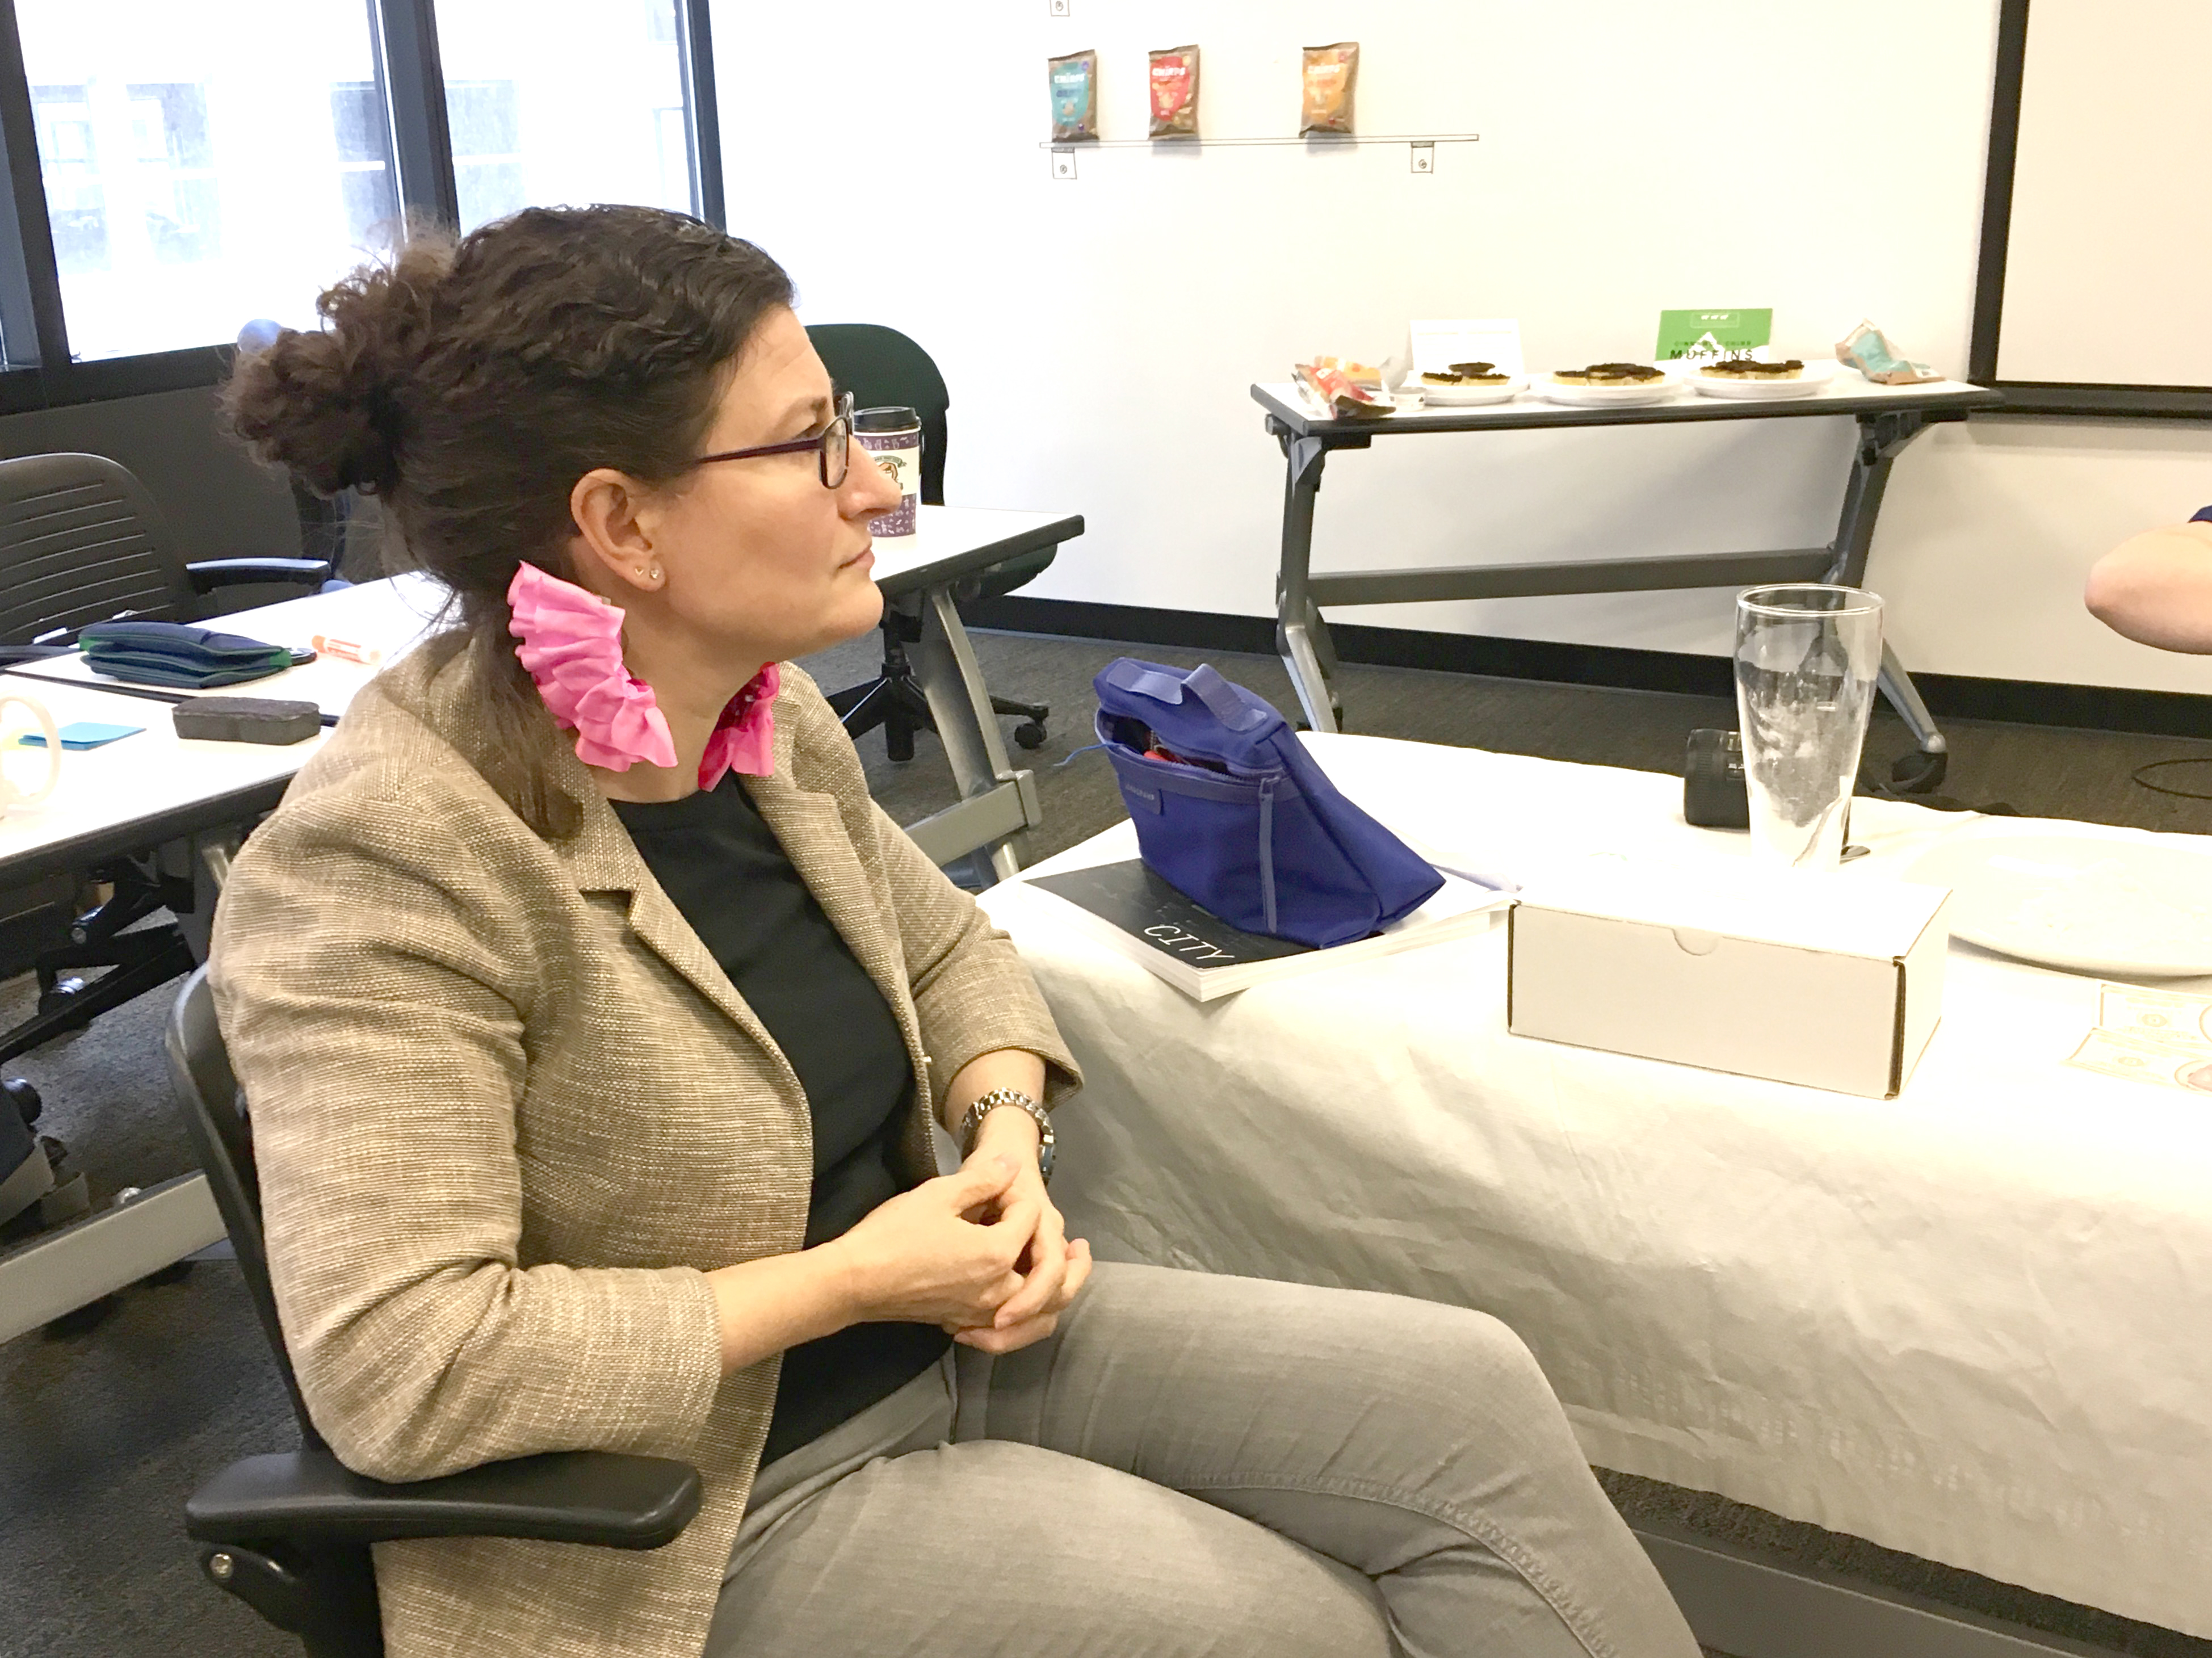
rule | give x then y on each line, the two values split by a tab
468	385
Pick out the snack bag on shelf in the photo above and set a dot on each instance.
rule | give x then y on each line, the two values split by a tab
1175	93
1329	72
1074	81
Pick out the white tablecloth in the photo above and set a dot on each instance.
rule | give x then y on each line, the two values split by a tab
1973	1322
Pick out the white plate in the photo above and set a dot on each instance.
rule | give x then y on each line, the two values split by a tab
1600	397
2094	903
1468	396
1816	376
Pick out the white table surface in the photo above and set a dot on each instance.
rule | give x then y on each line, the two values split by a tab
944	534
1843	393
1970	1323
157	772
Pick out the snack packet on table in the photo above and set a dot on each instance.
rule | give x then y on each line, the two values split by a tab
1867	350
1329	392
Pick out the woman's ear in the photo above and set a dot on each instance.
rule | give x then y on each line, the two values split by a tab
612	538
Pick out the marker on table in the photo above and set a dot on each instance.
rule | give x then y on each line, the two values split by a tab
346	650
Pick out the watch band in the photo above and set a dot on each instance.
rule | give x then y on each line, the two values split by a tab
971	1124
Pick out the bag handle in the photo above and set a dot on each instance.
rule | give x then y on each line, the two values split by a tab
1219	695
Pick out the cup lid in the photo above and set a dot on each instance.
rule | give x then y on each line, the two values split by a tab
891	418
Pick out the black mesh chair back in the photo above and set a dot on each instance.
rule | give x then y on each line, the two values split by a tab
215	1119
881	366
82	540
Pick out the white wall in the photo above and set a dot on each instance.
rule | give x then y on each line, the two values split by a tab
1099	336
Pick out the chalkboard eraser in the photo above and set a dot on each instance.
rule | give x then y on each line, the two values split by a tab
247	720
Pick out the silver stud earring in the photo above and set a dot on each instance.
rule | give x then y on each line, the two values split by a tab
656	573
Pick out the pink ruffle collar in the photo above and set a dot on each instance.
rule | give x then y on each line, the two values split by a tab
569	640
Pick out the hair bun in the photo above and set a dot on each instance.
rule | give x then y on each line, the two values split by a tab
331	405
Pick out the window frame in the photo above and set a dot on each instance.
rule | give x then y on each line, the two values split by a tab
36	369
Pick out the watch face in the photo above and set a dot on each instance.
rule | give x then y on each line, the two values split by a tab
1044	1159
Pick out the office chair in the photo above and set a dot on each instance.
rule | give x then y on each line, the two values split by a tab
82	540
289	1534
880	366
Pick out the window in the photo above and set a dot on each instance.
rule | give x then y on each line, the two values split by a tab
209	164
204	164
63	118
367	194
535	120
176	172
487	149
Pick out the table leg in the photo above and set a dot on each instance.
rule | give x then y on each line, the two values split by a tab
960	704
1904	696
1301	635
1881	439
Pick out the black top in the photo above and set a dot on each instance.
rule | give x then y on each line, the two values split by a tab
724	868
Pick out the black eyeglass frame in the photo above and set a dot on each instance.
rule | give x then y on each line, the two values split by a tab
836	439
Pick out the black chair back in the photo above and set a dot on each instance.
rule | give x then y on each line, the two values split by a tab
215	1118
880	366
82	540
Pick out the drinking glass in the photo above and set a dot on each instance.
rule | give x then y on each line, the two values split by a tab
1806	658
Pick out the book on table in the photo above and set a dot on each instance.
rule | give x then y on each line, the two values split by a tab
1127	906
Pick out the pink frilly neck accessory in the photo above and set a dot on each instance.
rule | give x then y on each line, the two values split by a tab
570	643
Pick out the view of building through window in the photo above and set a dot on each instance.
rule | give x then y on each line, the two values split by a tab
204	164
535	120
212	163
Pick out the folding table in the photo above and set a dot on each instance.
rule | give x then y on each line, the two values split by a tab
1889	418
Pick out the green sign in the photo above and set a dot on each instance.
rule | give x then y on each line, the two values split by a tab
1701	335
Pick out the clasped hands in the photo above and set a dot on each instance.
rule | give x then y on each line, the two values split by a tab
982	1252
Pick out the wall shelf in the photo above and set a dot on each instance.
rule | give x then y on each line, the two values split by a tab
1318	141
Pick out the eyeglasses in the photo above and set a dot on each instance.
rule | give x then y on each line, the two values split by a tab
835	446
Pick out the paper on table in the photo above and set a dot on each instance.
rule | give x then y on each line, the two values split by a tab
82	734
2161	1015
2168	1064
1496	341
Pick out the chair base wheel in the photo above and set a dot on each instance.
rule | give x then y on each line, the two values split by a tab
1029	735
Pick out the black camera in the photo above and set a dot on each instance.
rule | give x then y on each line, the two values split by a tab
1713	792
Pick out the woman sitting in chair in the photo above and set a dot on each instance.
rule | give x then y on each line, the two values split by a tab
594	1020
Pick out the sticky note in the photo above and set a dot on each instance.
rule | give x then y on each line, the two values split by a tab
83	734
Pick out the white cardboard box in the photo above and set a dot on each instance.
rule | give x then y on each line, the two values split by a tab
1828	981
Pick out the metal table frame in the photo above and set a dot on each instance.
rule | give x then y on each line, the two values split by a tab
1887	423
998	799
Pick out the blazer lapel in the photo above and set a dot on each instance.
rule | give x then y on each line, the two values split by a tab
816	839
601	858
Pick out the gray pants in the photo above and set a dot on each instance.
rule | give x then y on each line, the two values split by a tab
1203	1465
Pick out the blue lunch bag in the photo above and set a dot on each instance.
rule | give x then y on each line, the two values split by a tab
1266	843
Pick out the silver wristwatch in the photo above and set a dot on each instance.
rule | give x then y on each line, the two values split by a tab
972	1124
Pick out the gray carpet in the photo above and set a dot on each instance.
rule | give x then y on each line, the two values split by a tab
103	1433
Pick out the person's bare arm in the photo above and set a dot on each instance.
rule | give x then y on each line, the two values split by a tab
2156	588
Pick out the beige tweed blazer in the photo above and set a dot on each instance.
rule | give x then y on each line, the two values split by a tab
507	1111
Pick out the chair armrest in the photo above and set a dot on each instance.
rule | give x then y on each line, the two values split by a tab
603	1497
210	574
